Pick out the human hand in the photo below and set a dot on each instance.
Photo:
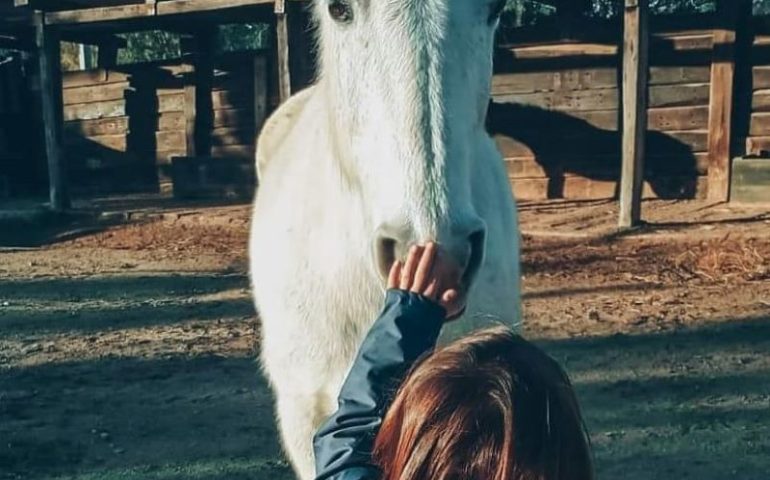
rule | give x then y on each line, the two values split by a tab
430	272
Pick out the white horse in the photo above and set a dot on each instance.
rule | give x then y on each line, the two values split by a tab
387	149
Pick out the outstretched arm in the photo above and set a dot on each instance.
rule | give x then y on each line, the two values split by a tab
416	305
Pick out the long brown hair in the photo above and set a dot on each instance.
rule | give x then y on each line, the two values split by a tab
489	407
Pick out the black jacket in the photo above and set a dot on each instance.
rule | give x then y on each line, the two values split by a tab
408	327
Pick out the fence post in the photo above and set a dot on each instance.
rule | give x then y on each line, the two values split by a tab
49	63
722	98
635	75
282	44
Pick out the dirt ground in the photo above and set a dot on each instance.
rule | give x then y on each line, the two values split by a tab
128	352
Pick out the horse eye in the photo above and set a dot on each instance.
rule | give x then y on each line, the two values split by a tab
341	11
497	10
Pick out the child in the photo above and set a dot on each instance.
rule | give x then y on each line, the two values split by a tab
488	407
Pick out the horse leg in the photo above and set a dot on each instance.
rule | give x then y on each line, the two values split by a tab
299	415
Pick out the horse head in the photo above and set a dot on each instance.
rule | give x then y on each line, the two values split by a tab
408	85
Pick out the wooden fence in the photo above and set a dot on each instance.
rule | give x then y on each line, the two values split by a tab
556	116
124	127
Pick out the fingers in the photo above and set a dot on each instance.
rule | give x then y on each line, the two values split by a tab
395	275
409	268
424	268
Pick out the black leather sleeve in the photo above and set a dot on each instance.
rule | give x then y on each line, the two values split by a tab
407	328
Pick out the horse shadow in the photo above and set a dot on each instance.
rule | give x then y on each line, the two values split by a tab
564	145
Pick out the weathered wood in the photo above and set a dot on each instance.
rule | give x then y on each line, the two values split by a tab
233	136
579	188
635	75
49	63
572	79
761	77
117	142
95	93
223	99
282	45
93	111
759	146
89	128
234	151
697	140
751	181
679	95
605	166
596	99
760	124
677	75
678	118
170	140
171	121
760	101
92	77
233	117
720	122
563	50
260	93
172	103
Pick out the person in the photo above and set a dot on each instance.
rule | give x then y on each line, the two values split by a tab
491	406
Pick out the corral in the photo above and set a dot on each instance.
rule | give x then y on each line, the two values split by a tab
128	339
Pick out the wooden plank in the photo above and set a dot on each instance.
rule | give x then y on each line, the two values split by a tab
49	64
572	79
92	111
563	50
678	118
720	121
282	45
760	124
223	99
234	151
758	146
597	99
580	188
635	101
95	93
172	103
697	140
233	117
760	101
164	157
679	95
176	7
607	166
677	75
118	142
243	135
171	121
751	181
100	14
170	140
761	77
107	126
261	88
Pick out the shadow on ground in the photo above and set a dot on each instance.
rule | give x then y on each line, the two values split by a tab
676	404
694	403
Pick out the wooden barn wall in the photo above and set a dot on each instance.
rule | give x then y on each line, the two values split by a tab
757	141
22	162
122	128
555	116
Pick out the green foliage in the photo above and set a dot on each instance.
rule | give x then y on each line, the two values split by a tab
149	47
244	36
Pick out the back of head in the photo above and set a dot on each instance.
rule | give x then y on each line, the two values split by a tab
489	407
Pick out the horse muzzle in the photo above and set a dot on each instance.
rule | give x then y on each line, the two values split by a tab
466	243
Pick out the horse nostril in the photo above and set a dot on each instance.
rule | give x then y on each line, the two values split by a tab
477	241
385	254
